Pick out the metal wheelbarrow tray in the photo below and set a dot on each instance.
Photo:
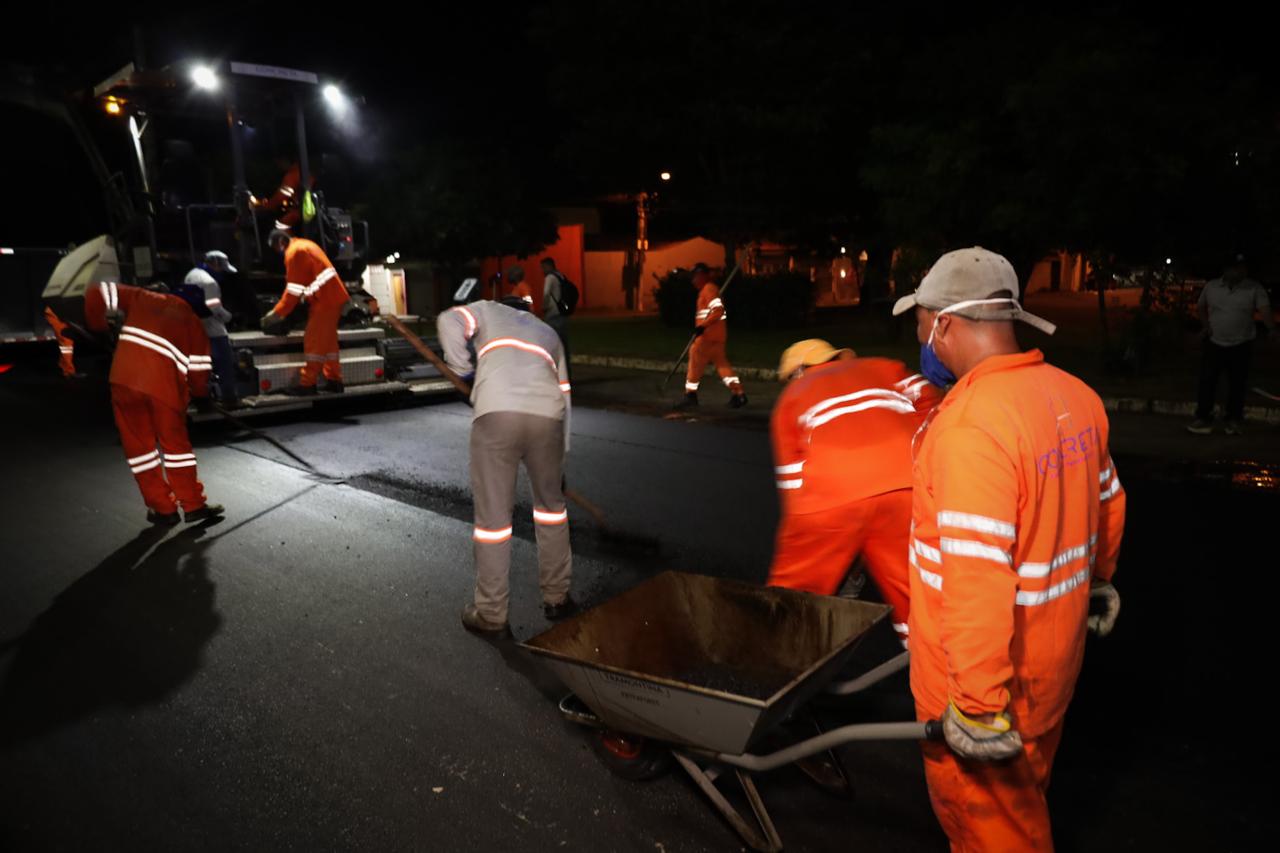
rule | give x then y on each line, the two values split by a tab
709	667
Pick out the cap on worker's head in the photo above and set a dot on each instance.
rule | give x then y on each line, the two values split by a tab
973	283
199	276
806	353
220	257
278	234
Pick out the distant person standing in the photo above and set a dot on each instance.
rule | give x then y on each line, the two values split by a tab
1226	308
555	302
519	287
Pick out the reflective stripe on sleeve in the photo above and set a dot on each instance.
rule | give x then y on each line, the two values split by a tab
980	550
979	523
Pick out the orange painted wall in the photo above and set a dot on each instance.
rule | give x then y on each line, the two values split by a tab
567	253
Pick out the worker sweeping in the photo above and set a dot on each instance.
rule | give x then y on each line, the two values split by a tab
161	361
711	332
311	278
841	434
1017	520
66	346
520	397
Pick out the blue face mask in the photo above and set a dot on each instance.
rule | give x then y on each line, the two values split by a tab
931	366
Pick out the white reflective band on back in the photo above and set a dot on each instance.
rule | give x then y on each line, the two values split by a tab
154	338
515	343
565	386
1104	477
789	484
880	395
482	535
930	578
795	468
927	551
969	548
146	466
901	406
144	457
1042	570
1031	599
915	377
140	342
471	321
542	516
1111	491
318	282
980	523
190	463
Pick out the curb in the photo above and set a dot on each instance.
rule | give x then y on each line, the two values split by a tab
1138	405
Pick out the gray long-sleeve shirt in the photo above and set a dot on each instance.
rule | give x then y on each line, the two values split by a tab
517	360
215	323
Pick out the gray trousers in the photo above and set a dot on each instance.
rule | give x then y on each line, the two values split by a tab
500	441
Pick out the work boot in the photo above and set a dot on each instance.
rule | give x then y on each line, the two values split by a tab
556	612
204	513
474	622
331	387
1200	427
1233	427
301	391
690	401
163	519
737	401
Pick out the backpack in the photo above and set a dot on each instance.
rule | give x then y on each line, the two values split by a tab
568	301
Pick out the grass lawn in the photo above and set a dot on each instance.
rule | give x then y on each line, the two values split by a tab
1169	374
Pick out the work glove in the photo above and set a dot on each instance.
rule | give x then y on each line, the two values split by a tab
204	405
1104	607
115	319
995	741
271	322
698	330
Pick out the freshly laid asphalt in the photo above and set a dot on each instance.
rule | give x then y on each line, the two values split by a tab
294	677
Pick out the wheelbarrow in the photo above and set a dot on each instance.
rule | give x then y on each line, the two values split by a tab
703	670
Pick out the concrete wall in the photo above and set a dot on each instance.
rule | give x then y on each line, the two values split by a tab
1073	270
604	272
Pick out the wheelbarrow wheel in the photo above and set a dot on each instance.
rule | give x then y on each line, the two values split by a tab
631	757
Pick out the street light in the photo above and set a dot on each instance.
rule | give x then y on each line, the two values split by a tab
334	97
666	176
204	78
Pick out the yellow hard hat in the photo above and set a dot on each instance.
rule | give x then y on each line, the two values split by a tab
806	353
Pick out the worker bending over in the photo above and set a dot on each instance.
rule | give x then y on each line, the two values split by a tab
311	278
161	360
842	433
520	394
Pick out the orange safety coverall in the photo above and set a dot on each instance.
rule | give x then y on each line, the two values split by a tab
1017	508
66	347
285	201
310	277
708	348
842	455
161	360
523	291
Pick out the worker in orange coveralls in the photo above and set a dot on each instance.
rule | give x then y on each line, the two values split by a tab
161	360
1017	520
519	287
286	201
311	278
66	347
711	332
842	433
